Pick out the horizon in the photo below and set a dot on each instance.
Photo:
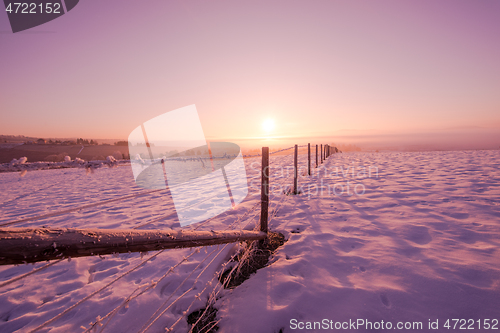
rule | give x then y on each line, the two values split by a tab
466	138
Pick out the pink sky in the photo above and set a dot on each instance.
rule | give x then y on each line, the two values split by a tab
315	67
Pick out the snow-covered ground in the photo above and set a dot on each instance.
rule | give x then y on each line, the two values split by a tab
392	237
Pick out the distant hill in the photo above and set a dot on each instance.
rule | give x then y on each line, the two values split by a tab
16	138
22	138
52	149
53	152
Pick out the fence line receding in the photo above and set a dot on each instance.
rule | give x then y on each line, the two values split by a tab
29	245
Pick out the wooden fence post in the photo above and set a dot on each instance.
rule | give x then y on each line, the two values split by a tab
295	171
321	153
316	156
309	159
264	191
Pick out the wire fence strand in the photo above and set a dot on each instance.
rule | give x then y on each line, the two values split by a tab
248	216
65	211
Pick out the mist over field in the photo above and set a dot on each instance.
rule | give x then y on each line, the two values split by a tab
474	138
453	139
423	140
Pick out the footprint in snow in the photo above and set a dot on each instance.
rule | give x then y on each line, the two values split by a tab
385	300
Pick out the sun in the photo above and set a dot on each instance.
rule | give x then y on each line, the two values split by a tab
268	125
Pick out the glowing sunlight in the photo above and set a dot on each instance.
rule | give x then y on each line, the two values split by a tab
268	126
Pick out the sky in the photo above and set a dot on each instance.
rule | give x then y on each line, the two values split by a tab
256	69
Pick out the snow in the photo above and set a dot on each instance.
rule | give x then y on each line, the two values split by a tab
21	165
421	243
22	160
399	237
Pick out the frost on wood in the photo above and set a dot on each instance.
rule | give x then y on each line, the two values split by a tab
23	245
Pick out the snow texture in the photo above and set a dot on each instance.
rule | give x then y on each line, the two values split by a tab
412	237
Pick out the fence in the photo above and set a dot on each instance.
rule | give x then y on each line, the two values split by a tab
22	245
27	245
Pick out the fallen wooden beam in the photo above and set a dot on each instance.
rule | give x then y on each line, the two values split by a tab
27	245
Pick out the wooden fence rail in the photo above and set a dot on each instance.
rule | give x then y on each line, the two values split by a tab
26	245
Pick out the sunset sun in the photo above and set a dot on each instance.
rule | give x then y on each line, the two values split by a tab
268	126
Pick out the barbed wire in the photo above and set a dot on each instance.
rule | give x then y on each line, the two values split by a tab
29	194
114	311
215	292
65	211
275	152
154	220
132	296
142	263
22	276
209	283
151	285
213	297
144	329
61	212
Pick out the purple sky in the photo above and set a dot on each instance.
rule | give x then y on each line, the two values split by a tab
314	67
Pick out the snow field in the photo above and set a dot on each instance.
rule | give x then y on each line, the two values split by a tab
56	298
421	242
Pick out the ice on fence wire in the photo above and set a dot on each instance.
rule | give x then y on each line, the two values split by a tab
171	151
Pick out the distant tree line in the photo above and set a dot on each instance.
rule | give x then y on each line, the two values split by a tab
86	142
126	143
